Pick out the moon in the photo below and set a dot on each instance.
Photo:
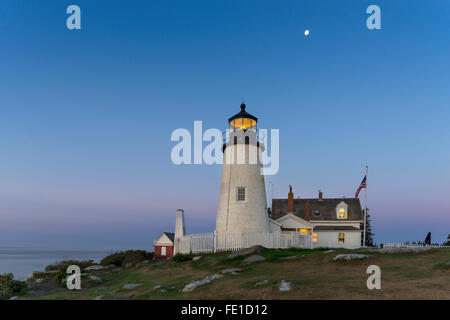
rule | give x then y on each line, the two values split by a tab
306	32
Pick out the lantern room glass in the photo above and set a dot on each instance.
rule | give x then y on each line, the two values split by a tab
243	124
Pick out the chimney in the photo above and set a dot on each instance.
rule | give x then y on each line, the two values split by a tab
307	215
320	195
290	200
180	230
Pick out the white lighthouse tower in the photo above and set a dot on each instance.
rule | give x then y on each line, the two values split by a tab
242	202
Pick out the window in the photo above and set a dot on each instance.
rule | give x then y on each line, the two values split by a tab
315	237
342	210
240	194
163	251
341	237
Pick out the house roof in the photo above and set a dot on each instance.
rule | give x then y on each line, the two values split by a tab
243	114
331	228
320	210
170	235
295	218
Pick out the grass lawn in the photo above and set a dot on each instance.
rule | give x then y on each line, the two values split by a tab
312	273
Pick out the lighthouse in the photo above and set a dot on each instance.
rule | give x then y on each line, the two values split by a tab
242	204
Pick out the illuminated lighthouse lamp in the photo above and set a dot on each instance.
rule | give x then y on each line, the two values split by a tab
243	120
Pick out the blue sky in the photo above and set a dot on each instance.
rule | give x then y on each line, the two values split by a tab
86	115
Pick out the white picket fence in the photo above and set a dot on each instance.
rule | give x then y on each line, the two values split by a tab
213	242
195	243
404	245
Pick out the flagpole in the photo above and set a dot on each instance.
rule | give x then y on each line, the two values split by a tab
365	210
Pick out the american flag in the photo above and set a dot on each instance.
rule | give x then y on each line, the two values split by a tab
362	185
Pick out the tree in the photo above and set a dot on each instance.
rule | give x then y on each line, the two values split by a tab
369	233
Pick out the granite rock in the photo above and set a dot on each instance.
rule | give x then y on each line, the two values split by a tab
246	252
254	258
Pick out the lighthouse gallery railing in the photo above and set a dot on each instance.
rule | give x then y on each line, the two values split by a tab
260	136
212	242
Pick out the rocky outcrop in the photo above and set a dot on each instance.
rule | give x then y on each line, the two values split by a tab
95	278
285	286
143	263
232	271
288	258
254	258
94	268
246	252
350	256
42	284
131	286
193	285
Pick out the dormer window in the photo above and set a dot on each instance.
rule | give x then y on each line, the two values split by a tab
342	210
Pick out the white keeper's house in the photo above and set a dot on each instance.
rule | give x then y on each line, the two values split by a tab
243	217
332	222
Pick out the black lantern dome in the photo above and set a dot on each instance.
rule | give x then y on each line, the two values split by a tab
243	120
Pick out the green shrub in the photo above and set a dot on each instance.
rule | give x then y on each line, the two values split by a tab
182	257
10	287
443	265
43	275
58	271
64	264
124	257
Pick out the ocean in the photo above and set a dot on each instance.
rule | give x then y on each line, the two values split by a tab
23	261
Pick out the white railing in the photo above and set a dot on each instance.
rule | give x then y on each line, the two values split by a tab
409	245
196	243
211	242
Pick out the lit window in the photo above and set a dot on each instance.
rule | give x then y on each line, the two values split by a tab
163	251
302	230
315	237
341	210
240	194
341	237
